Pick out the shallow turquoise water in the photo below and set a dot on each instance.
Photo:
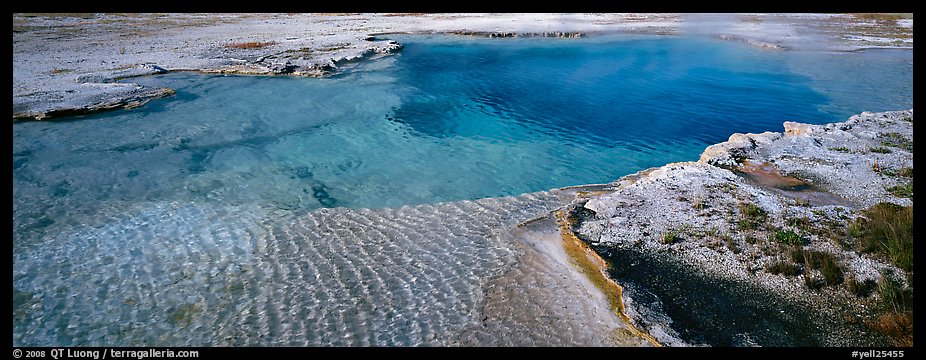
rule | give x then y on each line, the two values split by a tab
147	200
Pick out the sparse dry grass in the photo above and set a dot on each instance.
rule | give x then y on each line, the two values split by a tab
882	16
896	325
403	14
887	229
784	268
896	140
859	288
250	45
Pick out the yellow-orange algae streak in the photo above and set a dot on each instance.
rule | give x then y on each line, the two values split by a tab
594	268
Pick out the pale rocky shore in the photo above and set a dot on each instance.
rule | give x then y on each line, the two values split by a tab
812	178
65	64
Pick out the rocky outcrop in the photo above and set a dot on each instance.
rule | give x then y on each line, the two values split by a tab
852	159
310	62
87	98
743	208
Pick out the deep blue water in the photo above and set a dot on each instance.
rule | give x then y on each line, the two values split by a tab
447	119
184	221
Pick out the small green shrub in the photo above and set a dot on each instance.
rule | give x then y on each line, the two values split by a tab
841	149
788	237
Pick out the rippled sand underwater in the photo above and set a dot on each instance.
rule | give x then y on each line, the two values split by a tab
182	274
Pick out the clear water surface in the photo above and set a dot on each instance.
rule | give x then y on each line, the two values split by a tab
447	119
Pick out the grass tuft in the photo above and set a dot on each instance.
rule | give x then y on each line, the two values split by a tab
833	273
698	203
906	172
841	149
896	319
880	16
880	150
669	237
802	223
892	294
783	267
731	244
887	229
859	288
813	283
901	191
753	216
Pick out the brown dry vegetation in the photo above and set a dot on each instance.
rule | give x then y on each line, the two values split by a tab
897	325
882	16
887	230
250	45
